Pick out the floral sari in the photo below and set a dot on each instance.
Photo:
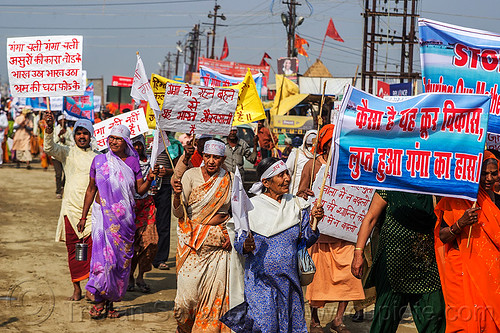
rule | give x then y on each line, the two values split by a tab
202	264
113	227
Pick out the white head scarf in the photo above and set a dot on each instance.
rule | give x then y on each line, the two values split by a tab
214	147
273	170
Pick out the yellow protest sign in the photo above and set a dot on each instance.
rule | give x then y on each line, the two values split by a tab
249	107
158	84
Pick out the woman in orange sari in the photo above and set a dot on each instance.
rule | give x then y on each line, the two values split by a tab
470	269
203	246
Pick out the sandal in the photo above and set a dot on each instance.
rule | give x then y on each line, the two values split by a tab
339	329
96	313
113	314
315	328
163	266
143	287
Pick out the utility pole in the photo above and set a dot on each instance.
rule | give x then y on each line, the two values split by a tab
169	55
374	37
193	44
290	22
179	51
215	16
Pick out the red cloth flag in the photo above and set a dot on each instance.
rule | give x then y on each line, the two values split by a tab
299	42
225	50
332	32
264	57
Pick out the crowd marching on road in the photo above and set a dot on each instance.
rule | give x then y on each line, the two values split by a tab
119	206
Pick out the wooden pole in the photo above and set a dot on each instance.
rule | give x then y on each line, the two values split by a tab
355	76
325	175
470	227
320	122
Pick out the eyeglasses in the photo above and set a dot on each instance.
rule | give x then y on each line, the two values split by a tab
114	138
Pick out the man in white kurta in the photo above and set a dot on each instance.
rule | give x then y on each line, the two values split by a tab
76	161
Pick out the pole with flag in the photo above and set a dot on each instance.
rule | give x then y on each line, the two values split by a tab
299	45
141	90
332	33
264	57
225	50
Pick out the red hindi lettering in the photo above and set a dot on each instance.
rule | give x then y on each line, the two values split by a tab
407	121
173	89
428	121
368	117
418	162
193	104
206	93
188	90
462	120
442	164
389	163
468	167
166	113
360	156
391	114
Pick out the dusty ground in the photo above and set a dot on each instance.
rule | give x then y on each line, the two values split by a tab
34	277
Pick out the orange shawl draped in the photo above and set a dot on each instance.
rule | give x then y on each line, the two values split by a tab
470	276
193	232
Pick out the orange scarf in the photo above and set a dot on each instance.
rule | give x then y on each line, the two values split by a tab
193	232
472	272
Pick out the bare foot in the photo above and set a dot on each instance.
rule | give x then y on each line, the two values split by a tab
75	297
89	296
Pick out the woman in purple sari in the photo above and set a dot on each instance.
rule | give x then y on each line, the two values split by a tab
114	179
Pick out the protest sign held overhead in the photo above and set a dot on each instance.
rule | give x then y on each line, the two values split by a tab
344	206
431	143
158	84
461	60
198	110
134	120
45	66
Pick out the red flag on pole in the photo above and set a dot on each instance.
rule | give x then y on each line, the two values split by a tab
225	50
299	42
264	57
332	32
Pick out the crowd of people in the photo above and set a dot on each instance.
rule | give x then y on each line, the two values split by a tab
121	207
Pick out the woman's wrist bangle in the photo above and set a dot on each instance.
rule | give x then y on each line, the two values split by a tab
83	218
458	226
358	249
451	231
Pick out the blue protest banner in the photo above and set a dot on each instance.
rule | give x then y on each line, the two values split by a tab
431	143
81	106
455	59
212	78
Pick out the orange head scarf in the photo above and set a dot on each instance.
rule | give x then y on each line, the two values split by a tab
325	134
488	154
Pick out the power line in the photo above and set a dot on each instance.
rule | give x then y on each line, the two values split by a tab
103	5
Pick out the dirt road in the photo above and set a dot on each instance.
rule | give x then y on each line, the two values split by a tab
34	276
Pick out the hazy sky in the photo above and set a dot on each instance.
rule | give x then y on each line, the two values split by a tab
113	30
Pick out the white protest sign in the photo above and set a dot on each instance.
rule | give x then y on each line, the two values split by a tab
45	66
344	206
198	110
493	141
135	120
56	103
97	103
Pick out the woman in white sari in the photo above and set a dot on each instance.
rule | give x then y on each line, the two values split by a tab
203	243
273	300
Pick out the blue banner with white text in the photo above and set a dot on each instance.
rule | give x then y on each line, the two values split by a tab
431	143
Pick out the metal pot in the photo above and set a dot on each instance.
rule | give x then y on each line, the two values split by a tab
81	250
